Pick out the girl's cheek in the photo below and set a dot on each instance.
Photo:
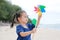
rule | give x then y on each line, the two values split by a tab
24	20
27	19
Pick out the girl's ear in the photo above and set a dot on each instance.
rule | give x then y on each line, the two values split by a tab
19	18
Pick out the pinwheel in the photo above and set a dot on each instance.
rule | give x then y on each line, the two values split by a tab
39	10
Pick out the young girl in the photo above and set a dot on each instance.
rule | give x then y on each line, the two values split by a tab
24	29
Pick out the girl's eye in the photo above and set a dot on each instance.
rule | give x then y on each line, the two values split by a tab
26	16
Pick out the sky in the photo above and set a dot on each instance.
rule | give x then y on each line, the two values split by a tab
52	14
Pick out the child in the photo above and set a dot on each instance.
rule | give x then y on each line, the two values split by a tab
24	29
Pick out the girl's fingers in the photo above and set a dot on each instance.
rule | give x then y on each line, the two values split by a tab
34	30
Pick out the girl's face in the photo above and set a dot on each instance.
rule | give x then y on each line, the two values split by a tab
23	18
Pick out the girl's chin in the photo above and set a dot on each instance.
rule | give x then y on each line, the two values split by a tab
25	22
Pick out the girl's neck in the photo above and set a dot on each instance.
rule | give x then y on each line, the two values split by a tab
24	25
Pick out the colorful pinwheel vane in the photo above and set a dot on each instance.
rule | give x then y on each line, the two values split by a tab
40	9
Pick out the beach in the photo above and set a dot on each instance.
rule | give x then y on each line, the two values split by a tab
7	33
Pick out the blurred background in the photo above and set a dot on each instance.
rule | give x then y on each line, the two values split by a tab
49	27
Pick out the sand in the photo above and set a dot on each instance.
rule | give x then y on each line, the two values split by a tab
42	34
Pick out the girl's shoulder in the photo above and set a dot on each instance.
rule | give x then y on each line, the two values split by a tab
30	24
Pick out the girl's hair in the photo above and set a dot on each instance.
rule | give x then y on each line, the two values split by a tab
17	14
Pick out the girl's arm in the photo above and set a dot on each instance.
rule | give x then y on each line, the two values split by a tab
23	34
39	17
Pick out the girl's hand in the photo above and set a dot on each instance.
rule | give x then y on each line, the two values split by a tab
39	17
34	30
